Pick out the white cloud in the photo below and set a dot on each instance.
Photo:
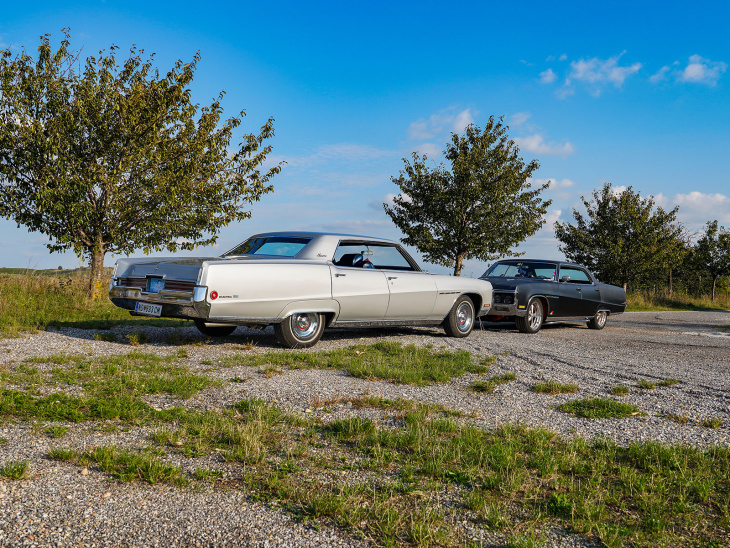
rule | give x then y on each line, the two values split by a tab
536	144
548	76
519	118
463	119
660	75
447	120
563	57
348	152
696	208
599	71
554	183
702	71
429	149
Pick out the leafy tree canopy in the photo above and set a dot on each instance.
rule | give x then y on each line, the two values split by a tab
623	238
480	208
106	156
712	252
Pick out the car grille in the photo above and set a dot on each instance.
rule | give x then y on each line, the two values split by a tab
170	285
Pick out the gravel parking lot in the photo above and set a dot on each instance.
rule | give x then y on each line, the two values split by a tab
59	506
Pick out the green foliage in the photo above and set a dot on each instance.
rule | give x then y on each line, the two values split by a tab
712	253
481	208
620	390
14	470
110	157
599	408
554	387
623	239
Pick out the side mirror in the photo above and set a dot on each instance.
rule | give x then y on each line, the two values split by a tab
565	278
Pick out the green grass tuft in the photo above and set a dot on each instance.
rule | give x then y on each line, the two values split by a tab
600	408
645	385
620	390
14	469
553	388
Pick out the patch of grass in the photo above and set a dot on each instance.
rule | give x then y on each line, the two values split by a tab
207	474
645	385
57	431
713	423
3	441
105	336
489	385
128	465
237	379
482	386
37	299
137	338
63	454
660	301
668	382
385	360
679	419
553	388
600	408
14	469
620	390
270	371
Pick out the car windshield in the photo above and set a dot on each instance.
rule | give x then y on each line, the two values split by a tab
279	246
522	269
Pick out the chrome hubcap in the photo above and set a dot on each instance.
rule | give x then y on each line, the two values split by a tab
534	315
464	317
601	318
304	325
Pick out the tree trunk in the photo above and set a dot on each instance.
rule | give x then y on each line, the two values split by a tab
459	264
96	279
714	280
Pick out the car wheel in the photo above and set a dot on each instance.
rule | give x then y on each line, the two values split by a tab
599	320
300	330
532	321
460	320
214	330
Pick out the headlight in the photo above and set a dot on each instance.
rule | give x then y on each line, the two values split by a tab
498	298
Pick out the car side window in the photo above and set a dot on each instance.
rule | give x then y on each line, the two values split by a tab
576	275
353	254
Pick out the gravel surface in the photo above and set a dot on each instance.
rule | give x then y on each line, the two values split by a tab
60	506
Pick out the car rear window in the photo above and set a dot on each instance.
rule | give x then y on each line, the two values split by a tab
279	246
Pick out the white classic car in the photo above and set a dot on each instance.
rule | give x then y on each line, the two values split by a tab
300	282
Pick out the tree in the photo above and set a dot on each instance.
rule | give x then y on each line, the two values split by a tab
623	239
114	157
712	252
480	209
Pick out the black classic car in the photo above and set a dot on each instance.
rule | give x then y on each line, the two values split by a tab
534	292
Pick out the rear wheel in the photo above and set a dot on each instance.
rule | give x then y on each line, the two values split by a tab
460	320
300	330
532	322
599	320
214	330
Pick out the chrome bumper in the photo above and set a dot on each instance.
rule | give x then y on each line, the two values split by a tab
175	304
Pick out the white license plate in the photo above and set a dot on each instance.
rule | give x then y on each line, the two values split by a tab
148	309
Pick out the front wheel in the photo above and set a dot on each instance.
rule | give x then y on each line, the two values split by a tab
214	330
300	330
599	320
460	320
532	322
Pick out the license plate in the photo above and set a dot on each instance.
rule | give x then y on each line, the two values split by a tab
148	309
156	285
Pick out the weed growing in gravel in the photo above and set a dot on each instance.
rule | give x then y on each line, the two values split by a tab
385	360
553	388
491	384
713	423
137	338
63	454
679	419
105	336
3	441
127	465
57	431
14	469
645	385
600	408
270	371
237	379
668	382
207	474
620	390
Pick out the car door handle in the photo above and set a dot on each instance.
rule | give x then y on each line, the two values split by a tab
392	277
337	275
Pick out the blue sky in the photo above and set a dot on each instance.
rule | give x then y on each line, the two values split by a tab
634	93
